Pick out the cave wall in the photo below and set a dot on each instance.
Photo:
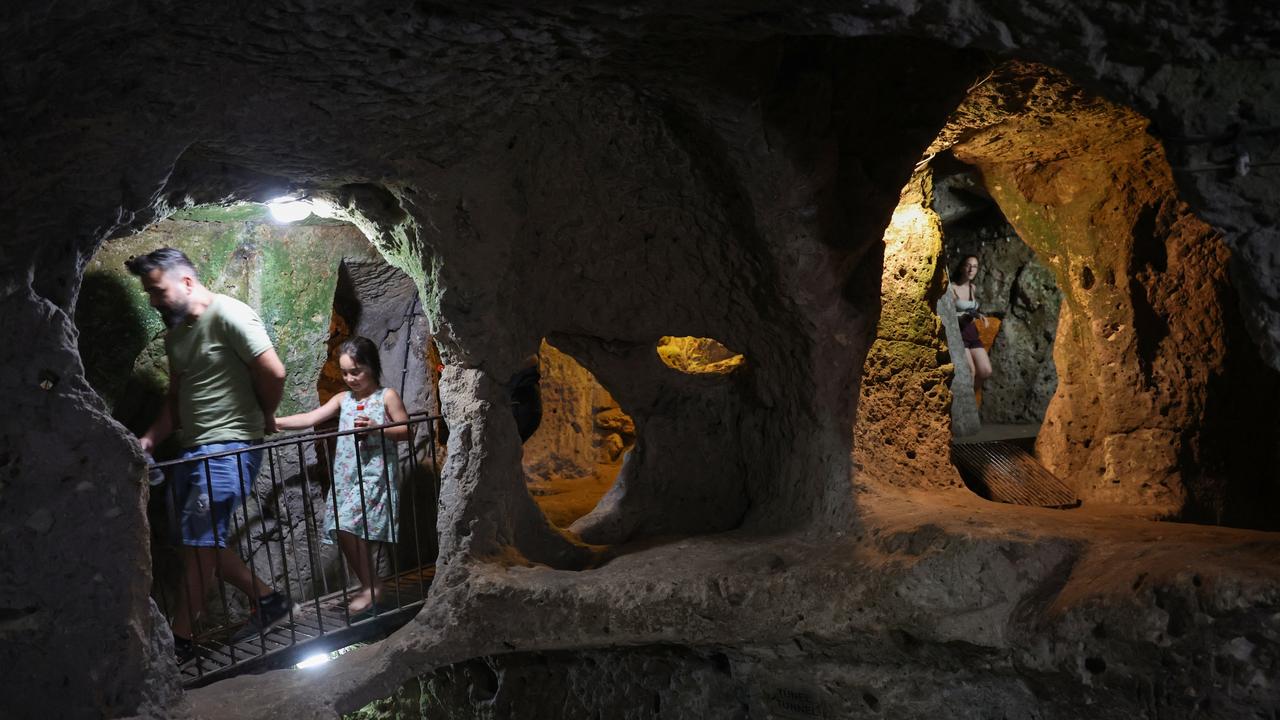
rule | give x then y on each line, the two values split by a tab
718	432
902	436
512	162
1229	109
894	678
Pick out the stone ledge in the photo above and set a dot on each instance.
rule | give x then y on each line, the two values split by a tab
1090	604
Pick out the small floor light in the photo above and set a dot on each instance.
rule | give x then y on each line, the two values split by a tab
321	658
314	660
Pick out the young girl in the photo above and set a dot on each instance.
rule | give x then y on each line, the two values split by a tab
369	481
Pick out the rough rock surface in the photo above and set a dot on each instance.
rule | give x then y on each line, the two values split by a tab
1024	377
948	606
573	458
645	683
903	432
605	176
699	356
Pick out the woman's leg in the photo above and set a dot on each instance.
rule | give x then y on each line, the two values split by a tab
981	369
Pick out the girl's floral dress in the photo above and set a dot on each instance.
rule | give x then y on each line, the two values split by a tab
378	477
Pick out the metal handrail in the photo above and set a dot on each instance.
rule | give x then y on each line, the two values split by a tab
304	436
284	534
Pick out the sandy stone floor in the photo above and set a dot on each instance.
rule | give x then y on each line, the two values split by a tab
564	500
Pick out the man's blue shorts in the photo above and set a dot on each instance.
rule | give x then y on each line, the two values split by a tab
224	479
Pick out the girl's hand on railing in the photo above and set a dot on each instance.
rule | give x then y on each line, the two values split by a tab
360	422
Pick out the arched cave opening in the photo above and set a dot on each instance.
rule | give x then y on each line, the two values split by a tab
1148	325
316	282
576	461
573	457
1018	298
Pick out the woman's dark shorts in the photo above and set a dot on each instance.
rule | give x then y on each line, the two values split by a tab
969	333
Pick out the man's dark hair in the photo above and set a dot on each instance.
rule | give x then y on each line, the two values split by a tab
165	259
363	352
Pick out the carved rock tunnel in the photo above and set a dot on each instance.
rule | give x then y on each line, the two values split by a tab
765	537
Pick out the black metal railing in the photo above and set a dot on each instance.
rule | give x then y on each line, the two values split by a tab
276	529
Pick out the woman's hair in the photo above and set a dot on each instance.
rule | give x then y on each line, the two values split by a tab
958	271
363	352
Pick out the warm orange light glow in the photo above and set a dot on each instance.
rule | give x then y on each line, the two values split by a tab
698	356
913	234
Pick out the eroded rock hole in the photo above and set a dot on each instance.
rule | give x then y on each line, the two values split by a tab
698	356
573	457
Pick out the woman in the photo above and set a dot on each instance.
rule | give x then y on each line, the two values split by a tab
966	300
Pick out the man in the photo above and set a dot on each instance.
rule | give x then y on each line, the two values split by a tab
225	381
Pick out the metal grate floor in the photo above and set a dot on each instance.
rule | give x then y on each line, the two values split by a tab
318	625
1003	472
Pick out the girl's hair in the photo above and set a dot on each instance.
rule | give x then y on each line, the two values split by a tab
363	352
958	272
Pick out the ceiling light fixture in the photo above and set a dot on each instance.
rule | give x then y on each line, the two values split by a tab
287	210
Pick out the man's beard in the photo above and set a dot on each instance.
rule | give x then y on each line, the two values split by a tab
173	315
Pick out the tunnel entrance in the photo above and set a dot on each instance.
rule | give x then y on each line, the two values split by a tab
315	282
1017	300
1148	349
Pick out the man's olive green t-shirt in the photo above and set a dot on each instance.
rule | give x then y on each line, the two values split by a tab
210	363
